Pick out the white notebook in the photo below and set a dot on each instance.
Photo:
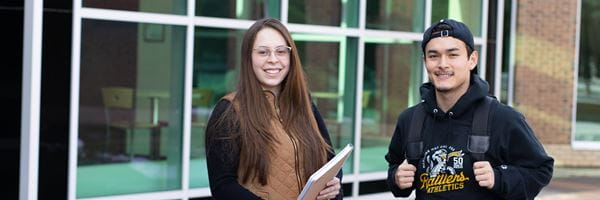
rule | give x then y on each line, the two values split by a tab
318	180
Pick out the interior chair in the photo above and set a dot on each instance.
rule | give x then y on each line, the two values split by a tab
119	112
201	106
201	109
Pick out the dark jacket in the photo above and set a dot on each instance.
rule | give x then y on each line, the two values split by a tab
222	162
521	166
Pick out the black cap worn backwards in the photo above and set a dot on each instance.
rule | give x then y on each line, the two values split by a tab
454	29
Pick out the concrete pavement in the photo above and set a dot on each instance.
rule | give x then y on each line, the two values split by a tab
566	184
573	183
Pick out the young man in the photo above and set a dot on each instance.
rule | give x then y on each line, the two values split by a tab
444	160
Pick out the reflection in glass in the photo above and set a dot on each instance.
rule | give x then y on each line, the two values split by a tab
504	83
397	15
466	11
479	61
156	6
131	89
329	62
392	76
238	9
588	85
216	61
328	13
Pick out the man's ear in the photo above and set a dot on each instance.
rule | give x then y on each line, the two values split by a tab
473	58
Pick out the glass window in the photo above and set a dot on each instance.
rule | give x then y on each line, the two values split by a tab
397	15
131	89
330	65
466	11
479	61
341	13
392	76
587	126
155	6
238	9
216	61
504	90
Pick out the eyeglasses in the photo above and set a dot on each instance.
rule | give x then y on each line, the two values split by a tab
280	51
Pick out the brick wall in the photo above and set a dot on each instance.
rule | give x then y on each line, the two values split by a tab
565	156
544	71
544	76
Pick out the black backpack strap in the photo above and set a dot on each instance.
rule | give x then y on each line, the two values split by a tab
479	140
414	146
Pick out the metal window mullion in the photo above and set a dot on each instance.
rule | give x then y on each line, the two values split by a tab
199	192
585	145
74	98
499	47
362	16
349	178
132	16
393	34
512	52
428	10
187	100
325	30
176	194
284	11
215	22
484	39
30	102
358	115
577	144
167	19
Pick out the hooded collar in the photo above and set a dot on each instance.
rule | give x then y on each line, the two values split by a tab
478	89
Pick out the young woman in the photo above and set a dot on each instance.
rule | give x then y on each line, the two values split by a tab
264	140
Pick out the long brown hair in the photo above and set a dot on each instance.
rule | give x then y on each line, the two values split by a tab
254	114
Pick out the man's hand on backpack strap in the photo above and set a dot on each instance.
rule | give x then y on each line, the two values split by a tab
405	175
484	174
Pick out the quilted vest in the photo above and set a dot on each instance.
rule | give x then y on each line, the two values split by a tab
283	179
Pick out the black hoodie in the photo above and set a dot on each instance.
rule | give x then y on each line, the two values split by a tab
521	166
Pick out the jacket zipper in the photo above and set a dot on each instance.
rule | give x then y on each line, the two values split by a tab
297	163
295	145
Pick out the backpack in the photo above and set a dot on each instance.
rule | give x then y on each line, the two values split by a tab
478	141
